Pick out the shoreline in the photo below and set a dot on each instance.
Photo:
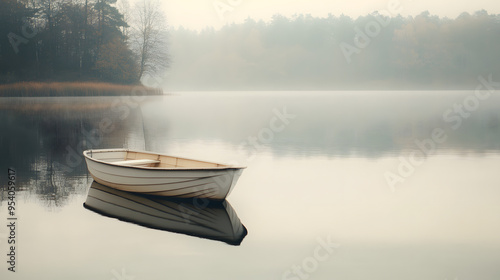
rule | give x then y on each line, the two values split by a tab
74	89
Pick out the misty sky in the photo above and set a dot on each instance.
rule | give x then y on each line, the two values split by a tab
197	14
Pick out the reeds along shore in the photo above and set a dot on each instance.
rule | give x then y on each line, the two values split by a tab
35	89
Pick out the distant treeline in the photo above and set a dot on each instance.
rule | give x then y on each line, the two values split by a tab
339	52
66	40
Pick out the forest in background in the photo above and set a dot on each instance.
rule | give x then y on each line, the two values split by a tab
103	41
338	52
80	40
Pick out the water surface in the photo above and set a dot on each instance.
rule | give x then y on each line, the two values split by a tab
318	169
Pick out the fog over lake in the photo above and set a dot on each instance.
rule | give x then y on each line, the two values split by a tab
370	133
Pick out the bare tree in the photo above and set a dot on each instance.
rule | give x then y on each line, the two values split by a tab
148	37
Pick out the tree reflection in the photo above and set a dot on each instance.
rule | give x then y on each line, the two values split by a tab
43	141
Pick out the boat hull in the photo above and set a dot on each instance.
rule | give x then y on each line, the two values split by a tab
211	183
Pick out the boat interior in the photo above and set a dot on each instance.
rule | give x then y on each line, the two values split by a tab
144	159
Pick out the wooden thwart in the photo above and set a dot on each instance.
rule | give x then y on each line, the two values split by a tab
136	162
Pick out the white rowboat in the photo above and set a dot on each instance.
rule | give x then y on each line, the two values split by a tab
163	175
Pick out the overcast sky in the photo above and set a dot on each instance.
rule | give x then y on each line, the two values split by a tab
197	14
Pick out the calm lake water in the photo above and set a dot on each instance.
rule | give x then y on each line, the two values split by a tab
339	185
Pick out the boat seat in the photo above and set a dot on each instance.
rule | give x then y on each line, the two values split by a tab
136	162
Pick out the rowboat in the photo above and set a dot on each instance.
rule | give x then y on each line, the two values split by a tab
212	220
161	175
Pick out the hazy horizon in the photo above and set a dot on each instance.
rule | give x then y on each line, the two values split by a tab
371	52
199	14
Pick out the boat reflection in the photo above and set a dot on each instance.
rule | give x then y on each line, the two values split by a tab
200	218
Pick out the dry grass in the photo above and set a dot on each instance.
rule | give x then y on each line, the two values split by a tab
36	89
